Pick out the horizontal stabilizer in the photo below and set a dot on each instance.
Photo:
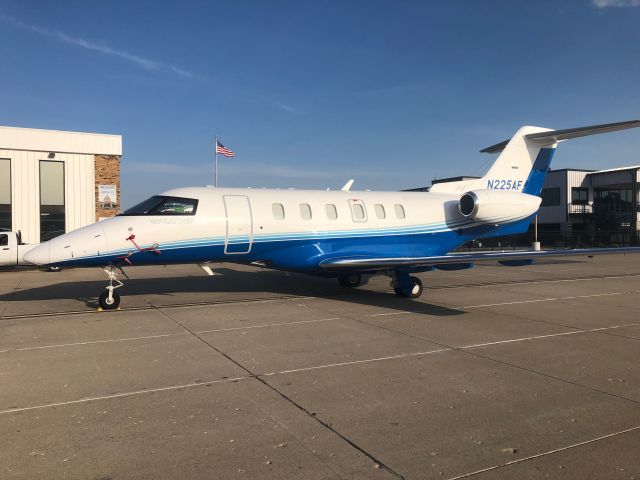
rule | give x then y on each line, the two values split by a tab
552	136
363	264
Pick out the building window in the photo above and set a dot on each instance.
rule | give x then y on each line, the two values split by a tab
305	211
5	194
332	212
550	197
278	211
52	215
399	211
613	200
380	213
579	196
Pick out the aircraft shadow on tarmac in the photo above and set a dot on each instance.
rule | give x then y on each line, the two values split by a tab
229	281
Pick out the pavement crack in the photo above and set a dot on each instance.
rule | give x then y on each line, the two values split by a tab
466	350
297	405
8	301
544	454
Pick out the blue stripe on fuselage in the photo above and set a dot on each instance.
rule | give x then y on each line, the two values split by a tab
305	254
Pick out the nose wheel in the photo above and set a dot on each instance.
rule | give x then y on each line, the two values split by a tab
110	299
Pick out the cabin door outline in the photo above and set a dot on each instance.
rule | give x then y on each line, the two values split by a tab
238	237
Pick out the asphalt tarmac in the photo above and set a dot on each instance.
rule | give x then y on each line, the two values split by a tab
494	373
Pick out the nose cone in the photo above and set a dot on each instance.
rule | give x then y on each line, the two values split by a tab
40	255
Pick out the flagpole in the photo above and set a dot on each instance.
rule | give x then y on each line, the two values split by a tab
215	168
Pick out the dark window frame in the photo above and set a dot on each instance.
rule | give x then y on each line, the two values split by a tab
10	204
580	190
547	200
64	198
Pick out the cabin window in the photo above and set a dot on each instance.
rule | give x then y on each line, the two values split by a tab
358	212
278	211
332	211
399	211
305	211
4	239
5	194
380	213
52	208
161	205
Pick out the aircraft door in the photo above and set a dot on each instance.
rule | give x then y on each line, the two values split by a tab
239	234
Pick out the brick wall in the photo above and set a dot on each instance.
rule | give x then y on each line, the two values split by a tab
107	169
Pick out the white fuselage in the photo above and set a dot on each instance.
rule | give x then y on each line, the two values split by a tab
289	229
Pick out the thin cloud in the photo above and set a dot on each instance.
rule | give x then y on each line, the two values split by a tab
616	3
287	108
63	37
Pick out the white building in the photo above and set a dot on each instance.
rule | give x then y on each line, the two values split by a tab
53	182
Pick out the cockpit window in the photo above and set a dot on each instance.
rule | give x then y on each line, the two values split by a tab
161	205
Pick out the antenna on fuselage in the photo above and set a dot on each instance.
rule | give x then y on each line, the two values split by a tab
347	186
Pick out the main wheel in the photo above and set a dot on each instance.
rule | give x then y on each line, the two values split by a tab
352	281
416	288
414	291
109	304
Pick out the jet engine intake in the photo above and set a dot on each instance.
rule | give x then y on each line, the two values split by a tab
497	205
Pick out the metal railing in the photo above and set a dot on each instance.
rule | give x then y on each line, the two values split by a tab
580	208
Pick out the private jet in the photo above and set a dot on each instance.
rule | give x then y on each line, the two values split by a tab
344	234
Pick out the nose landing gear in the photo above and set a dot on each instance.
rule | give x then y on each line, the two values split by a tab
110	299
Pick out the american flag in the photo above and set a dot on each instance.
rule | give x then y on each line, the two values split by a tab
222	150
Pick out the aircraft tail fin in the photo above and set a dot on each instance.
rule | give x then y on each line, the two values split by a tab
525	158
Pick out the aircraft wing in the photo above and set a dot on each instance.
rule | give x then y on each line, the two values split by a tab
515	258
552	136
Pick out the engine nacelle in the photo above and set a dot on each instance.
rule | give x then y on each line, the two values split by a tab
497	205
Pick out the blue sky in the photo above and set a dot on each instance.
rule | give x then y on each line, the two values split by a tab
310	94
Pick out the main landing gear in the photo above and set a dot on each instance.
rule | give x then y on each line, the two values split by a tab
110	299
351	281
406	286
